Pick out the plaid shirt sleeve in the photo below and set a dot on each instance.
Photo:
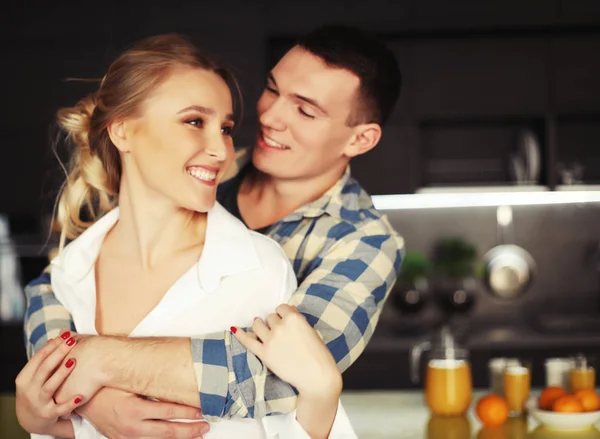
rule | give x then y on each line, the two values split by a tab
45	316
342	298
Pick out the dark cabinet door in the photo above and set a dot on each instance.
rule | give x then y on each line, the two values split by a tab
576	86
472	14
393	166
576	73
390	168
579	11
480	77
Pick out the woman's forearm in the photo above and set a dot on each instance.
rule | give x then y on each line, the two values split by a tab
316	411
316	416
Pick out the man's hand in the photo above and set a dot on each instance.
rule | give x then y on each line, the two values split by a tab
119	415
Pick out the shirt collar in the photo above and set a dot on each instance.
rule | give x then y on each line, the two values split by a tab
340	201
228	249
77	259
331	202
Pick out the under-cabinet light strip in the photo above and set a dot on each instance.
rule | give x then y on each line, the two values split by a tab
443	200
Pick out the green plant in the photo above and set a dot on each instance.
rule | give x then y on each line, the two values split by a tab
455	258
415	265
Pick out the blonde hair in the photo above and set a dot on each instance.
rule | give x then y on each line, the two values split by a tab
94	171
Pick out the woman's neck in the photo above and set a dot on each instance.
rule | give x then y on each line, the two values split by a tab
151	230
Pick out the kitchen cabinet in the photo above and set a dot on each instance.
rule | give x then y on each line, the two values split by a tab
469	95
479	77
575	67
578	149
472	151
295	16
579	11
472	99
489	14
391	167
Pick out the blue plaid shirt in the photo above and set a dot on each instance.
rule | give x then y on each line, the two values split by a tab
346	256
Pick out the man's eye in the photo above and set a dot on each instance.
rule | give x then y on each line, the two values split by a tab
305	114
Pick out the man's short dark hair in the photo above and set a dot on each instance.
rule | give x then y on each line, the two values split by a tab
363	54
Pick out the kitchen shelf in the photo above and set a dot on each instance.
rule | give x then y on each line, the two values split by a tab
577	144
475	151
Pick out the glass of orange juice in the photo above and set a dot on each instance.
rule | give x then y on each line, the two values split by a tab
517	386
583	373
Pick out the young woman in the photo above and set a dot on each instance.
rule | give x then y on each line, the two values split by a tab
159	257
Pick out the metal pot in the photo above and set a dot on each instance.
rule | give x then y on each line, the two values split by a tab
509	269
457	295
410	297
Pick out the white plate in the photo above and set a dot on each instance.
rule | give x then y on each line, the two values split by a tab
563	421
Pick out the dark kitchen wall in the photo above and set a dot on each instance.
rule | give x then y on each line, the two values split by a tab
475	73
43	46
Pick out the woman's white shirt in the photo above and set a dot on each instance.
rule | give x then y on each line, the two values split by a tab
240	275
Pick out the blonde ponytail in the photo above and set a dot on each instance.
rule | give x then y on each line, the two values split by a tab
89	186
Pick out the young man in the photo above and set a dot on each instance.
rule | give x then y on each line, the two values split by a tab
323	104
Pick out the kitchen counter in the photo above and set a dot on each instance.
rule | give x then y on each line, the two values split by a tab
403	415
387	415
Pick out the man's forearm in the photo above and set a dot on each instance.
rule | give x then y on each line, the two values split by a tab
159	367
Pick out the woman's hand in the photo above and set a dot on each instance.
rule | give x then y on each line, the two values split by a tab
294	351
37	383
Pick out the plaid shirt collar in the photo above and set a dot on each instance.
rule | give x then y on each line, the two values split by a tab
331	202
343	196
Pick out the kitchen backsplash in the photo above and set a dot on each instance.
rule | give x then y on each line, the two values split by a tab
562	238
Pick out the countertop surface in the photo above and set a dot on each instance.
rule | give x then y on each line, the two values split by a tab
387	415
403	414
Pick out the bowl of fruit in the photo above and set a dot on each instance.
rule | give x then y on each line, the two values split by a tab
557	409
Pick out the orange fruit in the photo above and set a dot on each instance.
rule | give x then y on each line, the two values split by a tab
492	410
589	399
567	404
549	395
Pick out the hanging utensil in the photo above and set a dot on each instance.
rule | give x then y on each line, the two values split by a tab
509	269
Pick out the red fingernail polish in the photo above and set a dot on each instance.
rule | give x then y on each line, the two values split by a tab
69	363
71	341
256	318
65	335
233	329
77	400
